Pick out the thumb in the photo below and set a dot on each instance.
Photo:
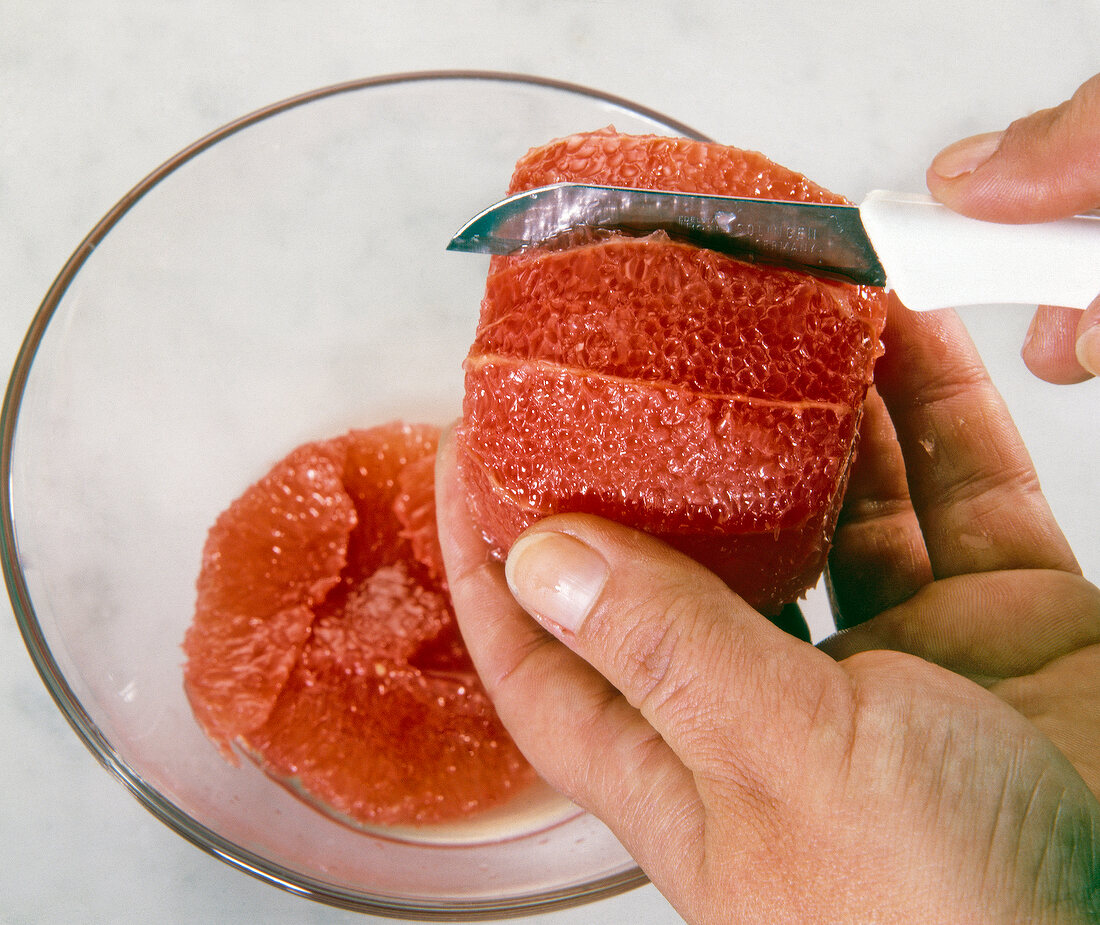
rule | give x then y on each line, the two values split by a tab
683	649
1042	167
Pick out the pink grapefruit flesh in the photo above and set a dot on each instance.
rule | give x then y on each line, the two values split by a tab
325	647
711	402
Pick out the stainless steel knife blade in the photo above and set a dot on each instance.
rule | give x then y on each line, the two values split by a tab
819	238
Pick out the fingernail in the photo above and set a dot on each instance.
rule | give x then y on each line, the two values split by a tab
555	578
1030	335
1088	349
965	156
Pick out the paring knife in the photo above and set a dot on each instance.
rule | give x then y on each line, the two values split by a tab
932	257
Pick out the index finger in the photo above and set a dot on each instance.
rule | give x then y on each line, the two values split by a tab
972	482
878	557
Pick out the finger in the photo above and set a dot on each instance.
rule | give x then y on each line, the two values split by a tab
1049	349
989	626
1087	347
724	687
571	724
878	558
971	480
1041	167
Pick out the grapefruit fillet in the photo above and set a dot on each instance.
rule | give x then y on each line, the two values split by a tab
710	401
324	645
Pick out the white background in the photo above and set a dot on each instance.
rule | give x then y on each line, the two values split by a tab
93	95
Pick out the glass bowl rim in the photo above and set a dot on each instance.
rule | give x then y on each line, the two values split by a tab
44	662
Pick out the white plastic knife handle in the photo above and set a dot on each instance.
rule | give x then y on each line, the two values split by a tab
936	258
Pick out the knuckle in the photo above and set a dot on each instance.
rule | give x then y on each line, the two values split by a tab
514	672
945	385
980	490
667	654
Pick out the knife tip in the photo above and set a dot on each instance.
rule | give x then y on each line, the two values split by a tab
463	244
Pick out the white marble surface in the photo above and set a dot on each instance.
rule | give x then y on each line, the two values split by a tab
94	95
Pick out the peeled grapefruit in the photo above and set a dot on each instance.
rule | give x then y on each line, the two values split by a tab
712	402
324	645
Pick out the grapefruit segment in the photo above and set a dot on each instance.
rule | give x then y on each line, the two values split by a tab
712	402
685	461
269	560
324	643
658	162
415	510
399	745
653	310
374	459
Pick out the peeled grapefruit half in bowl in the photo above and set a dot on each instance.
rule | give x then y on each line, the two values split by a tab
283	280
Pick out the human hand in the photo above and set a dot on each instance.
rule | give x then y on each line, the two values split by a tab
756	778
1042	167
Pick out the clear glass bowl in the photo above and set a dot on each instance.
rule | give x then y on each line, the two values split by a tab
281	280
